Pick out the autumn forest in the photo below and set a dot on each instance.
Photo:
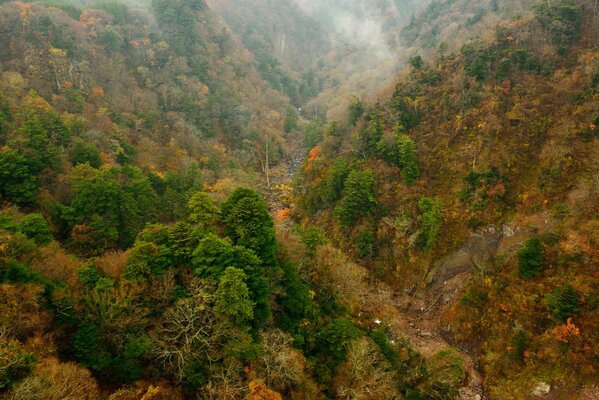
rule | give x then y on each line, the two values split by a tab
299	199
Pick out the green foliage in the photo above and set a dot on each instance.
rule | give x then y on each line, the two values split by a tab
313	133
479	185
477	62
365	241
519	343
18	183
563	19
430	218
475	297
147	260
563	302
405	106
530	259
312	237
401	152
202	211
245	215
18	273
89	276
119	198
83	153
36	228
372	136
380	338
445	374
174	192
416	62
296	302
89	349
232	297
335	181
355	110
127	367
117	9
333	339
183	240
359	198
291	120
212	256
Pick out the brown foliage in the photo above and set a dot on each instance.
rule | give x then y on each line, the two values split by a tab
366	374
112	263
21	309
53	380
54	263
259	391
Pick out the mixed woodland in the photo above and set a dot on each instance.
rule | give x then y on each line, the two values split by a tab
197	203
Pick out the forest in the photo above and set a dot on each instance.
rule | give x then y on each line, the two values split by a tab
297	199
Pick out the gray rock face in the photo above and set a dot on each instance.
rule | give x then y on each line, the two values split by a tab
478	249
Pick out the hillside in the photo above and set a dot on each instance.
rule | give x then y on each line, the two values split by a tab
297	199
474	189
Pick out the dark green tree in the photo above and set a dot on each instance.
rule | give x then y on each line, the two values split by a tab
35	227
147	260
245	215
291	120
530	258
563	302
355	110
430	218
333	339
18	182
86	153
401	152
359	198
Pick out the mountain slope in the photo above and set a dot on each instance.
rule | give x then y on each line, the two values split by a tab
498	137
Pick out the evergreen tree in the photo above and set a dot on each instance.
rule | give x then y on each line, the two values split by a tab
35	227
359	198
232	297
291	120
430	222
355	110
18	183
202	211
245	214
530	259
563	302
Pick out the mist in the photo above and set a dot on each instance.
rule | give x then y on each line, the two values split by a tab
352	22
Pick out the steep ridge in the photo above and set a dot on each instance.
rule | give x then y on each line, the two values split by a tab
451	190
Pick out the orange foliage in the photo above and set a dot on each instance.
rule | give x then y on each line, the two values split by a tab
284	214
97	91
259	391
564	332
497	190
25	12
314	153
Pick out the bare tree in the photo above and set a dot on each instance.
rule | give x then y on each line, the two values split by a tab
189	332
366	374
